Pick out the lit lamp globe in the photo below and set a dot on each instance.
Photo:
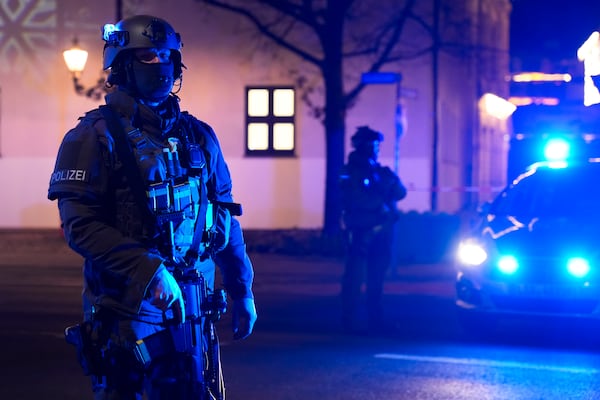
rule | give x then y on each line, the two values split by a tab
75	58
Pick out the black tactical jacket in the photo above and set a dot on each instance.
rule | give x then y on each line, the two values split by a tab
369	193
102	220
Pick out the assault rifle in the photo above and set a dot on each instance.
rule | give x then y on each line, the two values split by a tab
196	337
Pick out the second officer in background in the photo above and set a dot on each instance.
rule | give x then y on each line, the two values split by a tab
370	192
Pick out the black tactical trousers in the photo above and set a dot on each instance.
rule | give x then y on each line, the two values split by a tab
368	257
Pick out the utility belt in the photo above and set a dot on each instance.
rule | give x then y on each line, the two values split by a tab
96	349
194	345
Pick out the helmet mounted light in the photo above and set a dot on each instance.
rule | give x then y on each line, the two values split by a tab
114	37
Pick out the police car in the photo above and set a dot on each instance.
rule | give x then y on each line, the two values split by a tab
536	250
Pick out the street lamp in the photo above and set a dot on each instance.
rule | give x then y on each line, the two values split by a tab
75	59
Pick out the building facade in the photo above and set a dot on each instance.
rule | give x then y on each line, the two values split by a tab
452	150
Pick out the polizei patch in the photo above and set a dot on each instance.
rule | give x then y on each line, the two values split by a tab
70	175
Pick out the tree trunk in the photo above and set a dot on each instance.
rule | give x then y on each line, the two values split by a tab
335	117
335	140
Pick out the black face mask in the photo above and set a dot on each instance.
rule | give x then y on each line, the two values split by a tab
153	82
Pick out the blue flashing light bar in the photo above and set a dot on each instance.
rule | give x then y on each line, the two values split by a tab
557	149
578	267
508	264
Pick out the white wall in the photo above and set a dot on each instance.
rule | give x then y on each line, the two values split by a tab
24	183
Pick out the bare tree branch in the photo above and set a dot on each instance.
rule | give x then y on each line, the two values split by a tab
266	30
384	56
339	35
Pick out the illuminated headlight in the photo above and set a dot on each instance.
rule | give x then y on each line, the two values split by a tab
471	253
508	264
578	267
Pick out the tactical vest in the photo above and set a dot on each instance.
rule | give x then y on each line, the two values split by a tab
174	176
179	200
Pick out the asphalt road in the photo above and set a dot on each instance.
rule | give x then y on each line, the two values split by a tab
298	350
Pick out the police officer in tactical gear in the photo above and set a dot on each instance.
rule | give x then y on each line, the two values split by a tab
144	195
369	195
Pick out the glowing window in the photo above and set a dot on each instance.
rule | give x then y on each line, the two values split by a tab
270	125
258	136
258	102
283	102
283	136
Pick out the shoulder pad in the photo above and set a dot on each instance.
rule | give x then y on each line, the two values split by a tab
91	116
79	168
201	131
190	119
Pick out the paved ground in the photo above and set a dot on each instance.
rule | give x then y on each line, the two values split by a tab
297	297
298	347
273	271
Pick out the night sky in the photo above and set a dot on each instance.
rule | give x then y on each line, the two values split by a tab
552	29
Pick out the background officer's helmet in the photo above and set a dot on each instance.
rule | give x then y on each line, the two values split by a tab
364	135
141	31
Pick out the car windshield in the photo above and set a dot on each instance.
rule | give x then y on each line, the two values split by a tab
568	192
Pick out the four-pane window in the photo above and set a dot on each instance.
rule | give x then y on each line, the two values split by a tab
270	127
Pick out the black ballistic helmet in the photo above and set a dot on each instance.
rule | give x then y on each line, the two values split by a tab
364	134
138	32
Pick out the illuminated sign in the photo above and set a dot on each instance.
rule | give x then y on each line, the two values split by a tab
540	77
589	54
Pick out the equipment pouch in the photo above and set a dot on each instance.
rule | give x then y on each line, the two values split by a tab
159	197
196	157
89	352
153	346
218	222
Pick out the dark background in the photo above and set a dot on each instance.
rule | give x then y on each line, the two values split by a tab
551	29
